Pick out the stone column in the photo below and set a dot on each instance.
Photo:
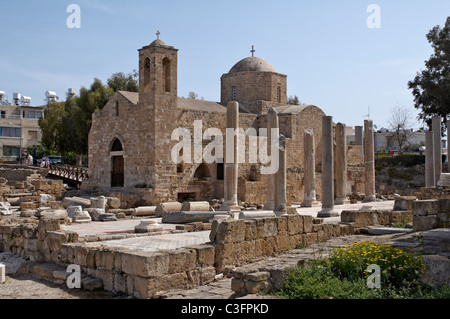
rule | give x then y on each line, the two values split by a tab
369	162
358	135
279	188
327	169
231	160
429	159
340	168
309	198
448	143
436	128
272	123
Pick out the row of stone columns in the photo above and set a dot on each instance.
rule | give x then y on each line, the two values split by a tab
276	195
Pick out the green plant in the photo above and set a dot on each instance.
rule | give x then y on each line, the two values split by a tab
396	265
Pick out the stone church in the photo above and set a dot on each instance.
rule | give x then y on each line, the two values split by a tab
130	140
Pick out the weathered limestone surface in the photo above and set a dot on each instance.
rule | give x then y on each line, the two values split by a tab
231	161
327	169
310	169
167	207
436	128
429	160
340	168
280	179
369	162
187	217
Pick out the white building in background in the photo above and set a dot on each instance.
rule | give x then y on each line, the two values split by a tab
19	125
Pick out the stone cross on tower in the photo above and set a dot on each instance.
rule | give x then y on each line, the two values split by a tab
253	51
157	34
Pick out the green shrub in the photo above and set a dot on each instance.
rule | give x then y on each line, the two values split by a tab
344	276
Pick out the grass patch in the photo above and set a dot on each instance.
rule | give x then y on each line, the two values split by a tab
344	276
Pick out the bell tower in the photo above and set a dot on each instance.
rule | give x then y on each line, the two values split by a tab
157	73
158	104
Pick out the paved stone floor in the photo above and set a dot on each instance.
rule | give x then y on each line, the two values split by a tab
159	242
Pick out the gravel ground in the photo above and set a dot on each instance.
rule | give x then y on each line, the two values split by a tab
27	286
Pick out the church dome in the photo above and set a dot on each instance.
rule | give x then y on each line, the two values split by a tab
158	43
252	64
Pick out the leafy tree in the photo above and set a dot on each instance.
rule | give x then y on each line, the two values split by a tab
121	82
52	126
88	102
192	95
431	87
293	100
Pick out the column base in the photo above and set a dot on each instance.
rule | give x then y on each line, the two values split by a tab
327	212
309	203
229	207
341	201
269	205
369	198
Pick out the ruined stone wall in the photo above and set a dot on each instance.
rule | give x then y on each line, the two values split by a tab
239	242
20	173
131	127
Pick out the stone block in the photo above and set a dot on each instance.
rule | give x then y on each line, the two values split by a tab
425	207
205	254
250	230
294	224
282	243
75	201
145	264
421	223
98	202
167	207
237	285
404	203
311	238
113	202
187	217
270	227
2	274
255	214
27	206
45	198
253	287
230	231
282	225
91	284
437	270
307	224
144	211
200	206
182	260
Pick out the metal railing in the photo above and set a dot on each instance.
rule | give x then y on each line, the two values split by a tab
68	172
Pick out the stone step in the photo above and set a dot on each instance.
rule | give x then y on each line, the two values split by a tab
58	274
388	230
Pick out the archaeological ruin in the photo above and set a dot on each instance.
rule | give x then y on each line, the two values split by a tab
157	215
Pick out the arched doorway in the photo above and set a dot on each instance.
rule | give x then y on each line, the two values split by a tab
117	171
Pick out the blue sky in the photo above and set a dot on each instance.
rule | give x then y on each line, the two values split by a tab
331	57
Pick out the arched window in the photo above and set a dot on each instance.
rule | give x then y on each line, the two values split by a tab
117	108
116	145
202	172
166	70
147	74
